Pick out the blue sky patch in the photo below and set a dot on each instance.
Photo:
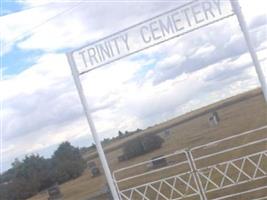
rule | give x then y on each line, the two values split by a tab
9	7
18	60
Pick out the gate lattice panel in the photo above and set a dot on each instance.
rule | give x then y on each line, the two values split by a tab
176	187
241	170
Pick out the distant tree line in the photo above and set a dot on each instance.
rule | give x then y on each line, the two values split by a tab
106	141
120	136
36	173
84	150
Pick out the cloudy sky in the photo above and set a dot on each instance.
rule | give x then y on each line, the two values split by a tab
40	105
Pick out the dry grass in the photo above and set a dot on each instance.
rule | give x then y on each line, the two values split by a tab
238	114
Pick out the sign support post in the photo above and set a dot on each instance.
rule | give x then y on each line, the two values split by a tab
100	151
237	10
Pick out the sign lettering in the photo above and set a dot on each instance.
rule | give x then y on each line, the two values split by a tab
156	30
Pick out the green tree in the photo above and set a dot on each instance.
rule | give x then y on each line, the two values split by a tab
35	173
68	162
26	178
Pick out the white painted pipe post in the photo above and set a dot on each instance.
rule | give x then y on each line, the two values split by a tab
237	10
99	148
193	168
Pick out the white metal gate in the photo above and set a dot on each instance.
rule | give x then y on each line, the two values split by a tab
231	168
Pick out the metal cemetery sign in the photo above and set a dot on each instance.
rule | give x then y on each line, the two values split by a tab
166	26
156	30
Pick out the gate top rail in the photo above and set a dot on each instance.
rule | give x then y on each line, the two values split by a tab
230	137
230	149
148	162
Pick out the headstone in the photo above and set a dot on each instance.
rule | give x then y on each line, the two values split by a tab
93	168
91	164
167	133
121	158
214	119
54	193
159	161
95	172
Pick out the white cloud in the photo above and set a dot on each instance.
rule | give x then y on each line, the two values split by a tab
205	50
72	33
30	3
253	8
48	70
42	105
60	25
20	25
170	62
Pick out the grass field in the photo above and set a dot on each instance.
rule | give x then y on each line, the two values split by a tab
237	114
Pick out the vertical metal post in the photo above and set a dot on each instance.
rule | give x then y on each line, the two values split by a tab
193	168
100	151
238	12
117	186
